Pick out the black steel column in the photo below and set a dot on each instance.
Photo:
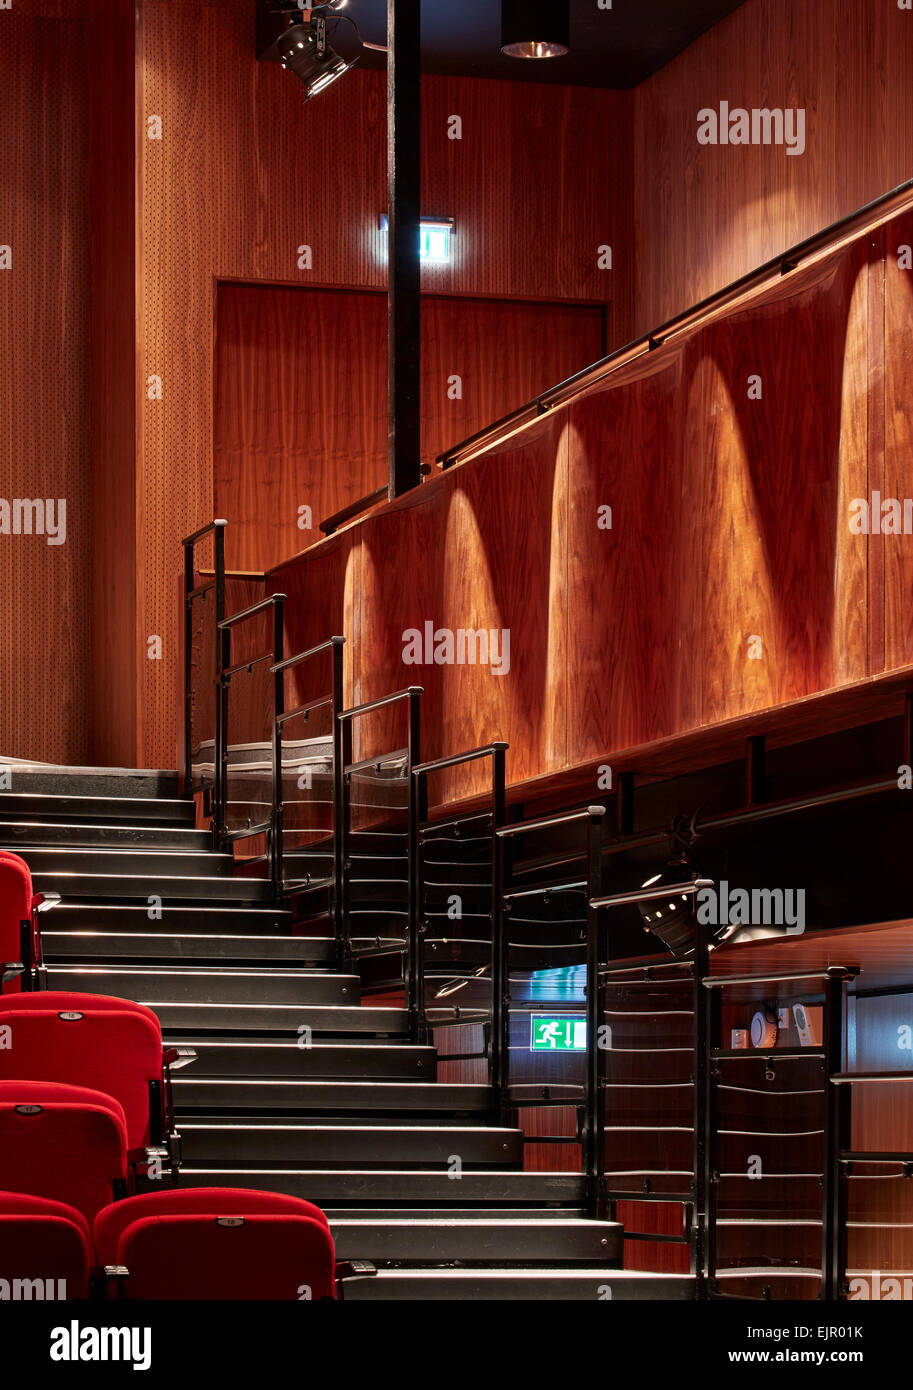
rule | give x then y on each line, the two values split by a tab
404	218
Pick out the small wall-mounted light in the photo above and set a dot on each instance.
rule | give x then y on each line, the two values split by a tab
535	28
436	238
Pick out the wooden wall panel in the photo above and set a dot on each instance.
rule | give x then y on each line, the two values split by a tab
627	649
730	522
234	188
45	415
706	214
300	395
898	463
770	490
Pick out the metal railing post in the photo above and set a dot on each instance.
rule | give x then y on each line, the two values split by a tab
594	1134
275	832
414	972
339	852
835	1139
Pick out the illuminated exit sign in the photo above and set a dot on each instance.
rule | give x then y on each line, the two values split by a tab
564	1034
435	238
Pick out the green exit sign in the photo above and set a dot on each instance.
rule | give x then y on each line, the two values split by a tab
564	1034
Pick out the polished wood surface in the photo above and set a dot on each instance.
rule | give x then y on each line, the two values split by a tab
45	344
706	214
234	188
730	583
300	396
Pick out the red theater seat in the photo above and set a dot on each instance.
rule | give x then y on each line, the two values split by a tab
63	1142
218	1243
111	1045
19	950
44	1249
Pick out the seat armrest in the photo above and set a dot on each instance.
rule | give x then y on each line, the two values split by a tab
10	969
352	1269
43	902
174	1058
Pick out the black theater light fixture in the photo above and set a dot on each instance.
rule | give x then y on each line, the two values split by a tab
535	28
304	50
667	902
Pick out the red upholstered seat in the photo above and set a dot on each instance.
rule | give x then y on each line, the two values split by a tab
67	1143
18	930
111	1045
218	1243
46	1241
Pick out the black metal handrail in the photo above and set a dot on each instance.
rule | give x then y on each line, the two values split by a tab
499	1015
854	224
412	694
192	592
222	837
332	523
335	645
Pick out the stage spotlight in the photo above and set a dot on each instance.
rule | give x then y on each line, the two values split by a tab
304	50
535	28
670	905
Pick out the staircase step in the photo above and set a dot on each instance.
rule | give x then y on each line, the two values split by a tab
374	1185
481	1285
128	861
135	783
25	836
153	946
276	1018
274	1095
127	886
198	985
259	1058
443	1239
198	919
352	1145
95	810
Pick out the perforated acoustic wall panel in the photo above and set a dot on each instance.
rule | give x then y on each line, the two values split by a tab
44	397
245	175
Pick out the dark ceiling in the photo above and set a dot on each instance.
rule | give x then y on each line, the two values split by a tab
616	47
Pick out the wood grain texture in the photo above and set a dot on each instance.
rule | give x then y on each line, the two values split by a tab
627	649
897	480
706	214
770	492
45	412
300	395
233	189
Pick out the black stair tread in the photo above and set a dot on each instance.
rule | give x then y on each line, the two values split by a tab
243	986
277	1017
180	889
126	859
361	1144
386	1184
485	1240
27	836
192	919
164	945
50	808
259	1057
561	1283
286	1092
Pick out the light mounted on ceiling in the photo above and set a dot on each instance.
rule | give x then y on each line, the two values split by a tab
304	50
535	28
